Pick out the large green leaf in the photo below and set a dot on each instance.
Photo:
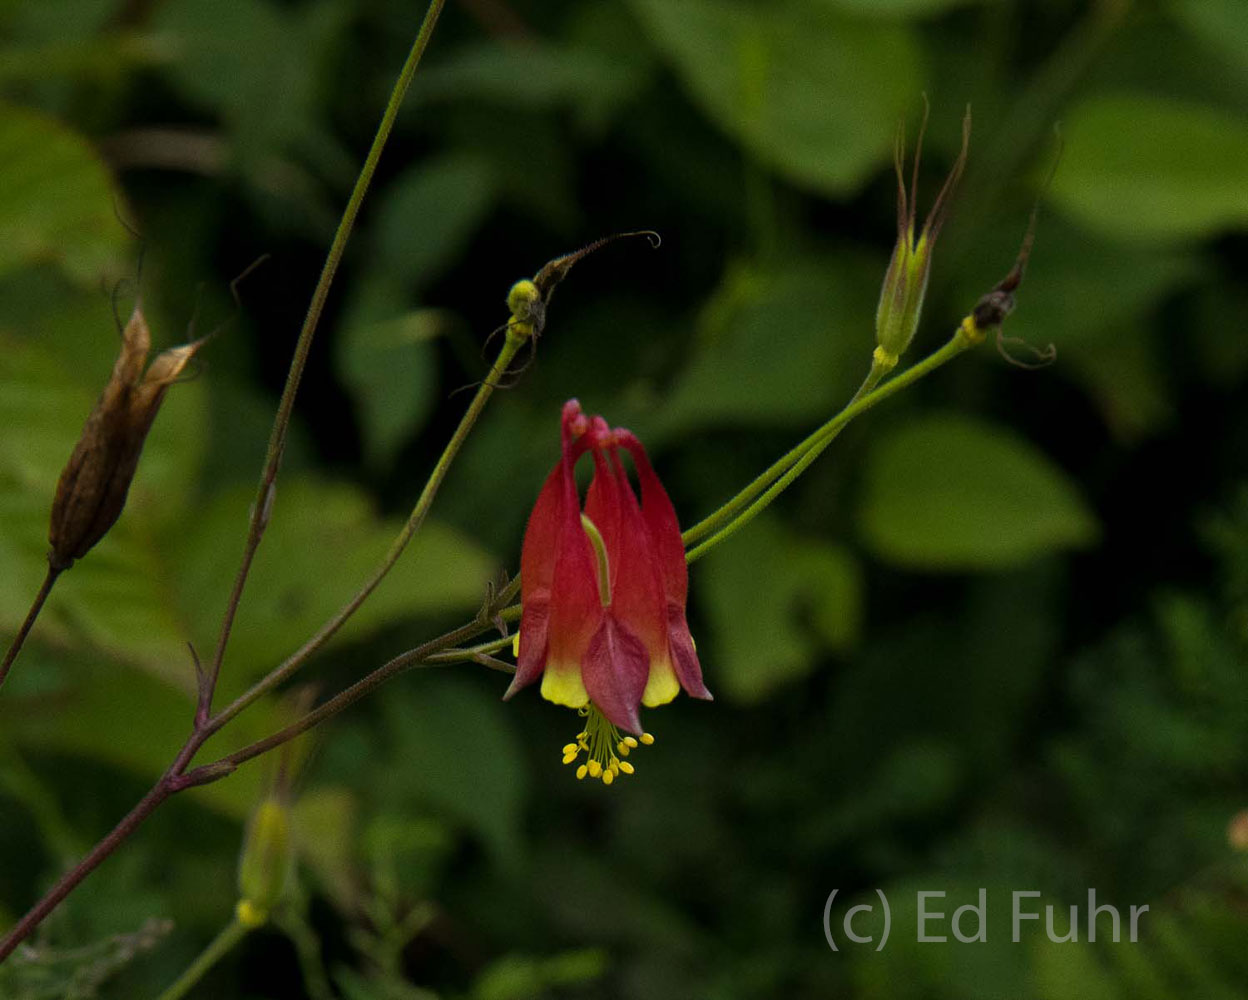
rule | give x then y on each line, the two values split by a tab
774	600
1145	168
57	201
812	94
950	492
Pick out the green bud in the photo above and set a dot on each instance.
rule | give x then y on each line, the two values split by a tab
267	860
905	282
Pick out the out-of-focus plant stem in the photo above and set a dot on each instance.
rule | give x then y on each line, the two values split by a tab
230	935
262	506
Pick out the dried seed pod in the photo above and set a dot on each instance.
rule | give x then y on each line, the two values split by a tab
92	489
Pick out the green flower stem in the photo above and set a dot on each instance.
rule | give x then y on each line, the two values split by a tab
743	508
511	344
472	652
230	935
281	422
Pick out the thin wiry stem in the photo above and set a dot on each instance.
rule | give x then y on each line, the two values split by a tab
36	606
281	423
174	779
511	345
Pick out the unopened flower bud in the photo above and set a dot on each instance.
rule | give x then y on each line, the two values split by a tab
905	282
93	486
267	860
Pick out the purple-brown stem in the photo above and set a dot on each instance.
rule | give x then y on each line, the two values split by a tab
19	640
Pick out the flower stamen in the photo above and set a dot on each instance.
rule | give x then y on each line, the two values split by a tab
603	746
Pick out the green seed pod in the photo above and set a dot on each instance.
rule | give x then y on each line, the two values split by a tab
267	860
905	282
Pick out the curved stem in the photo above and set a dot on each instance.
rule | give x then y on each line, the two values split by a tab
36	606
739	511
174	779
511	345
281	423
220	946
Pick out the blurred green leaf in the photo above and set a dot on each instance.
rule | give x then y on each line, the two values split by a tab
387	359
116	599
1221	24
427	215
1148	168
533	75
766	636
950	492
777	345
1091	298
324	823
126	720
519	977
898	8
470	760
813	95
323	542
57	201
253	63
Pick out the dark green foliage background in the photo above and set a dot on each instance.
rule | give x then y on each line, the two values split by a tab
995	637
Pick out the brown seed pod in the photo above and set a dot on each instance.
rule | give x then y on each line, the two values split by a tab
92	489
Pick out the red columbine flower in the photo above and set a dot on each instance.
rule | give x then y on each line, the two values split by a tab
603	593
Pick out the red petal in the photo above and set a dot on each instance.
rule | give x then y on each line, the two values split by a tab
549	541
638	598
660	520
575	605
537	574
615	668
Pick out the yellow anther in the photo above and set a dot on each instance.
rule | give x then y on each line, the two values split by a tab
515	645
595	769
647	739
629	741
608	777
623	748
571	747
568	758
581	772
626	767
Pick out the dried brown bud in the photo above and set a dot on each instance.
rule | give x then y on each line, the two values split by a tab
93	486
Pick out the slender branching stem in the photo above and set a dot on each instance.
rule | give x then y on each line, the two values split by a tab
175	779
36	606
281	424
221	945
746	505
342	700
420	511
